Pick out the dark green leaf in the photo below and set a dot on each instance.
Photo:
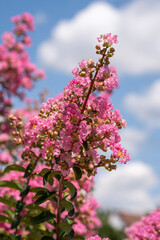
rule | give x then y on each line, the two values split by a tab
71	212
9	212
25	190
66	227
14	167
44	171
18	237
10	184
8	201
45	177
5	236
50	180
85	145
16	222
4	219
19	206
71	234
28	170
46	238
67	204
37	189
77	172
42	192
46	196
57	159
42	217
72	188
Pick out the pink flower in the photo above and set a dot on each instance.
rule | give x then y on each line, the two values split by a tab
97	238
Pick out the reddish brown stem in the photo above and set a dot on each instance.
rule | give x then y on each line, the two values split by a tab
92	83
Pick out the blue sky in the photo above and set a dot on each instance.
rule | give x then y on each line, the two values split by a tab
65	33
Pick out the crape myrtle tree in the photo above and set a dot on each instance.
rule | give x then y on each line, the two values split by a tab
17	73
87	221
45	194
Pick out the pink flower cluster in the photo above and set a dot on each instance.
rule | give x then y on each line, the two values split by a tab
16	71
97	238
16	74
76	124
148	228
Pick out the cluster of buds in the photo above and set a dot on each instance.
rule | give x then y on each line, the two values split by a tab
17	124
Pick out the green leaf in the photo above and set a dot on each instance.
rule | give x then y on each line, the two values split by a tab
19	206
42	217
9	212
5	219
72	189
5	236
14	167
67	204
8	201
71	212
25	190
51	173
11	184
85	145
37	189
66	227
34	212
70	235
28	170
77	172
33	206
44	171
45	177
18	237
46	196
41	192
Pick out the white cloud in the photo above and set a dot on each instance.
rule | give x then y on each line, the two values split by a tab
127	188
137	25
133	139
146	106
40	18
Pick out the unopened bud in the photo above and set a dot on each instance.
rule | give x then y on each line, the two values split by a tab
90	63
98	64
92	70
98	52
11	117
91	166
112	50
98	46
82	74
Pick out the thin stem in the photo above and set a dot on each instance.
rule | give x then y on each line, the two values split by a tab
59	207
92	83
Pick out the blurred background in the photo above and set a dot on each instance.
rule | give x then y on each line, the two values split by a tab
65	33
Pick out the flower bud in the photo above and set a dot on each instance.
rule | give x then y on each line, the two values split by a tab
98	46
90	63
98	64
12	117
82	74
98	52
91	166
112	50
